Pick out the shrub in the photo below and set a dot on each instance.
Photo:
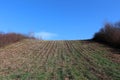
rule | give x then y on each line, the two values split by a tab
9	38
110	35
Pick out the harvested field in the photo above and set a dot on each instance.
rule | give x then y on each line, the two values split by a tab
59	60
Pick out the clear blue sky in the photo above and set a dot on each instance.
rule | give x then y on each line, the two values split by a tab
58	19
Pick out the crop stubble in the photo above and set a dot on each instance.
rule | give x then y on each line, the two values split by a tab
57	60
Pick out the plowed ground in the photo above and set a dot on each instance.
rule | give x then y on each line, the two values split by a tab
59	60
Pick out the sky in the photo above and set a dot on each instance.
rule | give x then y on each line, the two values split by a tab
58	19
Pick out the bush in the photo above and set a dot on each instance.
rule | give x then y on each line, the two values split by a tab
110	35
9	38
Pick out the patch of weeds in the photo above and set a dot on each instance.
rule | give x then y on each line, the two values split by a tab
22	76
89	75
78	75
69	74
41	76
111	69
60	74
115	74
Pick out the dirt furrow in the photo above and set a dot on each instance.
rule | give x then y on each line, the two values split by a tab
57	60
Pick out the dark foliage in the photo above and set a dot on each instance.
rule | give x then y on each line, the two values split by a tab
9	38
109	35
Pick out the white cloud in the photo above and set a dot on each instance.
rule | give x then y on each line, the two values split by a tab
45	35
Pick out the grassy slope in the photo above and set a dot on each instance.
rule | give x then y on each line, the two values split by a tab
58	60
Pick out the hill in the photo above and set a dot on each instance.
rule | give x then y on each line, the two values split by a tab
31	59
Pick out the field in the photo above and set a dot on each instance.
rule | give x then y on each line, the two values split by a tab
59	60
